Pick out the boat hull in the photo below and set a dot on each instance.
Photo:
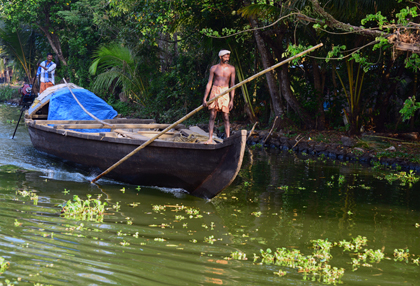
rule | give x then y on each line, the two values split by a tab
202	170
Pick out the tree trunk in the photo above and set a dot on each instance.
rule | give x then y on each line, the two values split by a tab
284	79
52	37
272	86
319	89
291	99
383	103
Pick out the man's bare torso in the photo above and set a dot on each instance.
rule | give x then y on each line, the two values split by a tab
222	74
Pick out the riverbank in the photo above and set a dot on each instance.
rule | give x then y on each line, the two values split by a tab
376	149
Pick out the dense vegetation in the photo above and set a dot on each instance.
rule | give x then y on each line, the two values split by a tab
152	58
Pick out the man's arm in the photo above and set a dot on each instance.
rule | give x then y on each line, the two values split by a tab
232	83
51	68
208	86
39	69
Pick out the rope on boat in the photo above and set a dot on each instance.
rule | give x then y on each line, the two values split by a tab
84	109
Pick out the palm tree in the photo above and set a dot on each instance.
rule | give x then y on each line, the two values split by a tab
19	46
118	67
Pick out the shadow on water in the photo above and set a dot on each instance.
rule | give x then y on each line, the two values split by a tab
155	236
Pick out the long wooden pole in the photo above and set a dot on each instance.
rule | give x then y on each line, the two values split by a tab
201	107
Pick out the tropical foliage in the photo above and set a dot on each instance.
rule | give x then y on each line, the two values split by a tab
152	58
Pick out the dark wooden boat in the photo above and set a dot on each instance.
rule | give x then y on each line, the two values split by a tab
202	170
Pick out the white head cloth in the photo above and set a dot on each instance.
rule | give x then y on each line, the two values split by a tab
223	52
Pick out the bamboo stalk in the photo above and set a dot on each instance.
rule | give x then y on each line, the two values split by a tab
84	109
201	107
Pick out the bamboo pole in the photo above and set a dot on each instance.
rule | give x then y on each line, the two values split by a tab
201	107
84	109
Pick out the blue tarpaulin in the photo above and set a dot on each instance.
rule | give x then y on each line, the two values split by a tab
63	106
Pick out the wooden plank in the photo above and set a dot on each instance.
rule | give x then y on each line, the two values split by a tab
108	134
102	126
131	135
150	134
40	116
200	131
154	132
187	132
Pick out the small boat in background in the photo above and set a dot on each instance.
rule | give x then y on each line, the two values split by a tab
175	161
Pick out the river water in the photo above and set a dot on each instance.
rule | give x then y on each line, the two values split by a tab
154	236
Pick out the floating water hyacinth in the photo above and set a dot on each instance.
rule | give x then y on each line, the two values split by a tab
316	267
89	209
3	265
237	255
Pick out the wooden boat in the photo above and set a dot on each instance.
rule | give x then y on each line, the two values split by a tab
202	170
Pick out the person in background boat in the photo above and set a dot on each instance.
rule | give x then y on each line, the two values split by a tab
221	75
46	72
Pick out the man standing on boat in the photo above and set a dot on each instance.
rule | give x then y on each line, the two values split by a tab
46	72
220	76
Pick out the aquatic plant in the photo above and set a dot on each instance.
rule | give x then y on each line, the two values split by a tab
124	243
405	178
31	194
158	208
401	255
116	206
192	211
347	245
359	242
280	273
374	255
237	255
341	180
316	267
3	265
310	266
257	214
89	209
210	239
322	249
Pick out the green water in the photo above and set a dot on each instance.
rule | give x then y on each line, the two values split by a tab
278	200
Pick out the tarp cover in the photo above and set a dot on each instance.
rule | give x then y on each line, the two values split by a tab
63	106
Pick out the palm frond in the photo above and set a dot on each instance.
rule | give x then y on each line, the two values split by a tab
117	66
17	45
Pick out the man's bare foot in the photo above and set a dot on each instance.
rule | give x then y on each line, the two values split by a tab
210	141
